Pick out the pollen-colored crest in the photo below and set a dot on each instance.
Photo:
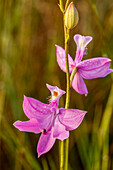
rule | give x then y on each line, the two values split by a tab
55	93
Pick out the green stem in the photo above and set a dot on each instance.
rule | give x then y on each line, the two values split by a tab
67	91
67	3
67	68
61	155
61	5
66	35
66	153
61	148
66	31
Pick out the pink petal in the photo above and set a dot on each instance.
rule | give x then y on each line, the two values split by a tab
78	84
79	55
59	130
35	109
93	63
55	88
108	72
31	125
81	42
71	118
102	71
60	53
63	135
45	143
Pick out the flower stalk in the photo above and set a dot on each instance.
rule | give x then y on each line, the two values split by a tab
67	67
67	3
61	155
67	89
61	5
66	35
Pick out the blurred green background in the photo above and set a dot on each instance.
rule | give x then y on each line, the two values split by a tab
29	30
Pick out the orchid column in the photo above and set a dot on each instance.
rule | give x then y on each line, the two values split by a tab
70	17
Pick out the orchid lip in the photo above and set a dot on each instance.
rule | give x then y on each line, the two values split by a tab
56	93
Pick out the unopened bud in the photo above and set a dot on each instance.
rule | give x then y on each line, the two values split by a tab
71	16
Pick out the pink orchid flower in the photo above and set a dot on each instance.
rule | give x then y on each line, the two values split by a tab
54	123
87	69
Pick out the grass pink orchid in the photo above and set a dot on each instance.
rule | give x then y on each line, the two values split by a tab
54	123
87	69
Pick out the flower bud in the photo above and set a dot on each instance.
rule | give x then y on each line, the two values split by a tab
71	16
